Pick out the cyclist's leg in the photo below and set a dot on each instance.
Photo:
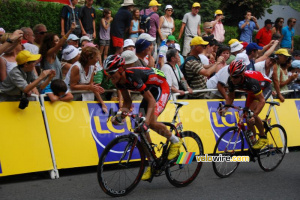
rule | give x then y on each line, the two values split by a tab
249	103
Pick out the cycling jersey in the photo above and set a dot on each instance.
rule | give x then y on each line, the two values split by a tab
143	79
253	83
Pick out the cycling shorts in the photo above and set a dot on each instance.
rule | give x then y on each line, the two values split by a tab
252	97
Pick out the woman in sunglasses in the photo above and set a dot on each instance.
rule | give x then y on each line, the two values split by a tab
276	31
166	24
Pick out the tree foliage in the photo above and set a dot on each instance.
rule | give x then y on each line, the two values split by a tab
234	10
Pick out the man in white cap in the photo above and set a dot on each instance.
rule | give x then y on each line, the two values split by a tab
128	45
73	40
191	23
83	40
218	28
121	24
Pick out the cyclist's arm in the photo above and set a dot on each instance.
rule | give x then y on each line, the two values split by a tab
261	103
151	105
230	98
127	101
222	90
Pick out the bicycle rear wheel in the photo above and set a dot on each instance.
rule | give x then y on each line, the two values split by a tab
180	175
228	144
121	166
271	156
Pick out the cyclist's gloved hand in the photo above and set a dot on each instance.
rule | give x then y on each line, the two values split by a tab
222	111
118	119
144	128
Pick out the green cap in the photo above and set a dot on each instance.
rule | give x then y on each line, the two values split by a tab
172	38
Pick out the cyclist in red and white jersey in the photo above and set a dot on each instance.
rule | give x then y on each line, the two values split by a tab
258	88
155	90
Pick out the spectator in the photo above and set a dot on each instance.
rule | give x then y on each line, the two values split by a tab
121	24
177	46
135	25
80	76
195	73
83	40
268	68
39	31
23	79
207	52
264	35
70	14
154	23
70	55
129	57
191	26
166	24
288	32
148	59
58	91
8	59
208	29
235	48
29	37
247	26
218	28
87	19
129	45
104	34
143	48
49	49
224	52
285	79
73	40
296	54
162	59
295	85
276	31
173	74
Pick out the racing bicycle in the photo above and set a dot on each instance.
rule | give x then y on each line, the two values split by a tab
122	162
232	143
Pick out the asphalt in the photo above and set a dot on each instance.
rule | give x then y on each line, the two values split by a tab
249	181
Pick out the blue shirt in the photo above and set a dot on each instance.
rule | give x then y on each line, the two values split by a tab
247	31
286	41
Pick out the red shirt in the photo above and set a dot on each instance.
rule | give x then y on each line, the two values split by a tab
264	37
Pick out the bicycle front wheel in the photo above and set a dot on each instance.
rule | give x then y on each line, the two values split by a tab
180	175
229	144
121	166
271	156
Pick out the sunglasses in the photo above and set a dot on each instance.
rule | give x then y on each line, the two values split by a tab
42	32
170	10
209	27
236	77
281	21
294	22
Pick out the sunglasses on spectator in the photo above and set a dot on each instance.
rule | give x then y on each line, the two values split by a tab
209	27
170	10
42	32
281	21
294	22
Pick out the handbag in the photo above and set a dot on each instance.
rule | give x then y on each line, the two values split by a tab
181	83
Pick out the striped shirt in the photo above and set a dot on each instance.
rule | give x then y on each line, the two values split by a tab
194	79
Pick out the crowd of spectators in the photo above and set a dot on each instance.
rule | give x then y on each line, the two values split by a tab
30	58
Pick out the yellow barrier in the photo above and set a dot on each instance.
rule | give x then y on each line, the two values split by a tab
23	141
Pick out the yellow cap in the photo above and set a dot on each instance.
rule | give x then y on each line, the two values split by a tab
196	4
282	52
233	41
218	12
154	3
197	40
25	56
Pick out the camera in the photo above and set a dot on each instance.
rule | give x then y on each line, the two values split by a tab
23	103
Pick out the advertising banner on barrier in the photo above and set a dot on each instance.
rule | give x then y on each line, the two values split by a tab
24	145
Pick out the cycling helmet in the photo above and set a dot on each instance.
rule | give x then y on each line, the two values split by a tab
236	68
112	63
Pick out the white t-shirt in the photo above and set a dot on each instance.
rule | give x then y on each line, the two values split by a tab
261	67
221	76
170	76
204	59
192	22
31	47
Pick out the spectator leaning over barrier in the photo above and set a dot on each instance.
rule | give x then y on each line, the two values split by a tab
70	55
87	19
73	40
154	23
285	78
218	28
166	24
8	59
207	27
173	74
264	35
23	79
50	47
29	37
247	26
191	26
39	30
295	85
58	91
121	24
235	48
194	71
288	32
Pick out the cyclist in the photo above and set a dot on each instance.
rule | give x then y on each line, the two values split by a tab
258	88
155	90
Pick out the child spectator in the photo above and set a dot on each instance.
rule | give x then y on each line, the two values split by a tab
134	29
58	91
87	19
68	15
104	33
